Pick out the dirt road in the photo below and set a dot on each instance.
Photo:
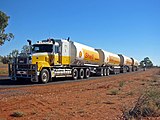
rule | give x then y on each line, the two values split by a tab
97	99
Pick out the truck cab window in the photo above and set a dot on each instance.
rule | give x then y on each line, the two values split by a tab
42	48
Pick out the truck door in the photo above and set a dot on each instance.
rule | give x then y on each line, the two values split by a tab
65	55
56	55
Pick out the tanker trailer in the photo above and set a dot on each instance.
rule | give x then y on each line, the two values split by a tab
84	60
110	60
126	63
135	64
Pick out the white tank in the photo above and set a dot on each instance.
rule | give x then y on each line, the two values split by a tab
125	60
134	62
82	54
108	58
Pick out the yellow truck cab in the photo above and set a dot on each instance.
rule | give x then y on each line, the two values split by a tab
46	56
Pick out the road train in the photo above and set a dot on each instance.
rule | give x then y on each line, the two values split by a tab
64	58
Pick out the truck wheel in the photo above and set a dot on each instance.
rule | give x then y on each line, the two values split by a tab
75	74
104	71
87	73
81	73
44	76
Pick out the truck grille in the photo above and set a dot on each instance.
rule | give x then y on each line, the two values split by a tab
23	63
21	66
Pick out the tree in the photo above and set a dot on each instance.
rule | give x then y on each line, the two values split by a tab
25	49
10	57
3	24
14	54
1	57
5	60
146	62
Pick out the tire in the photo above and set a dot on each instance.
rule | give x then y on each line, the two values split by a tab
44	76
128	69
87	73
101	72
124	70
108	72
115	71
74	74
81	73
104	71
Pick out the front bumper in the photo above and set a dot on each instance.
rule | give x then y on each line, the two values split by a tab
18	71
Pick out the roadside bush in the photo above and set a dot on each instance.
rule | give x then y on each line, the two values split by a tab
114	92
147	105
121	83
17	114
5	60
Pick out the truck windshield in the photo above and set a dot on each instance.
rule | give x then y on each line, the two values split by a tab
42	48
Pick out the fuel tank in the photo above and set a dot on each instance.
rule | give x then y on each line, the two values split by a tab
134	62
108	58
125	61
82	54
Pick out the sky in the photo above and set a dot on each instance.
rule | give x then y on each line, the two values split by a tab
129	27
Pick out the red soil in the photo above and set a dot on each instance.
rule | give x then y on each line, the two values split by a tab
84	100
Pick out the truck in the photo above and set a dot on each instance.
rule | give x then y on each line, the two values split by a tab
53	58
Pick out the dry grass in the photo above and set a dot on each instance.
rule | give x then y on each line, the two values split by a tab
3	69
121	83
17	114
130	93
114	92
147	105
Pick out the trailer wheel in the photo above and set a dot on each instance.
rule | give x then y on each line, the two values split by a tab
133	69
44	76
81	73
87	73
107	72
128	69
75	74
104	71
101	72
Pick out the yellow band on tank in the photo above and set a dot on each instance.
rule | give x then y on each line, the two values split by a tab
90	55
114	60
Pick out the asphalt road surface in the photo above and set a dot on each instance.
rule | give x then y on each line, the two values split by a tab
6	82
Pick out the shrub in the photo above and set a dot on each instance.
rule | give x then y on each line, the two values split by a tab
17	114
147	105
130	93
113	92
121	83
